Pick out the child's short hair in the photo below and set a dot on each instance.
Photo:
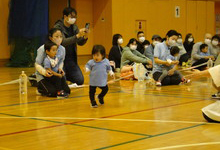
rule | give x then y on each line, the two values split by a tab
174	50
99	49
48	45
203	46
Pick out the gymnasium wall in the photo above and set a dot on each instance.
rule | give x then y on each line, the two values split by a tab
4	48
108	17
196	17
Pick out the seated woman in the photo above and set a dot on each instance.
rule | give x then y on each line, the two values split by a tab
183	57
131	55
161	51
116	50
45	87
215	46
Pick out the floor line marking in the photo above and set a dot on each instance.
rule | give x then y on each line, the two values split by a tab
101	117
185	145
65	123
108	119
123	143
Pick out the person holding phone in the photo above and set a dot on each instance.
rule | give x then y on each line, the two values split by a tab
72	36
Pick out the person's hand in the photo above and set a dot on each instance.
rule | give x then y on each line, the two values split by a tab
194	74
149	66
176	62
150	63
171	72
113	76
212	57
61	72
81	33
86	33
48	73
168	63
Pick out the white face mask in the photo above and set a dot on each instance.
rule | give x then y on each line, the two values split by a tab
133	47
58	41
71	20
190	39
120	41
207	41
155	43
215	43
179	41
141	39
171	42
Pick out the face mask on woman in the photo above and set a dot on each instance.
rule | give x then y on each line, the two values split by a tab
171	42
207	41
179	41
120	41
71	20
142	39
155	43
190	40
214	42
57	41
133	47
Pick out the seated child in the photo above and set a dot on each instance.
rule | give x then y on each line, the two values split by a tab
51	63
172	59
204	50
99	68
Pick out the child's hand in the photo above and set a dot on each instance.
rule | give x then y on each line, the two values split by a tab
61	72
113	76
48	73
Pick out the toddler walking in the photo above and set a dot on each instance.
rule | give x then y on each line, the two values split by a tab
99	68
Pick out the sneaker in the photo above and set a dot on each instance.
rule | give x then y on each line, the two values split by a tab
185	81
62	94
94	104
148	78
158	83
216	95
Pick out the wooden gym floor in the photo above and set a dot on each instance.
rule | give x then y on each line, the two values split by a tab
135	116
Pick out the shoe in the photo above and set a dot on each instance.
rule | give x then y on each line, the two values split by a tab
185	81
74	85
148	78
158	83
101	100
94	104
62	94
40	93
216	95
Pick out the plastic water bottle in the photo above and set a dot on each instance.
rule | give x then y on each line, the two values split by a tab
140	72
210	63
23	83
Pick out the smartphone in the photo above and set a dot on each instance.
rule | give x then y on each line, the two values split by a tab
87	26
